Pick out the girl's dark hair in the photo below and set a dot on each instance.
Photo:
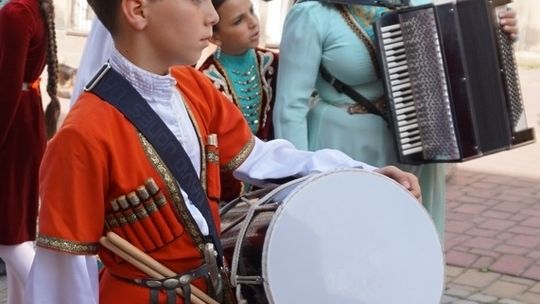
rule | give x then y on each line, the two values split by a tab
53	108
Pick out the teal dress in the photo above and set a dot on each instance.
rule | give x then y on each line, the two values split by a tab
317	33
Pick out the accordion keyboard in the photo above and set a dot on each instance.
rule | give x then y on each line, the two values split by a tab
418	87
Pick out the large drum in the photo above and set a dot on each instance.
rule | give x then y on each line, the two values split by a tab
347	236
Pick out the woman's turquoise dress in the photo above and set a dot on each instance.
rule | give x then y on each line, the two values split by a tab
316	33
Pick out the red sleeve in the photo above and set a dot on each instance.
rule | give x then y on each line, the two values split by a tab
16	30
73	176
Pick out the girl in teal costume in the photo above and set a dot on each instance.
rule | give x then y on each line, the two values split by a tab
243	72
340	37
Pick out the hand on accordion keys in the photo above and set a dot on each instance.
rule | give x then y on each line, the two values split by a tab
508	22
406	179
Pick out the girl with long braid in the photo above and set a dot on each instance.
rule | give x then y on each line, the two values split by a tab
27	44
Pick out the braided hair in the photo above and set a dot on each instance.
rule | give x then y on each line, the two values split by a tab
52	111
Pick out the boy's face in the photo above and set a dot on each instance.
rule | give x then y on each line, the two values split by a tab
238	28
180	29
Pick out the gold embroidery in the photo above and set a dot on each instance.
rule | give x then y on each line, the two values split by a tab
141	212
241	156
230	86
150	206
212	157
131	217
161	201
180	207
357	29
65	245
201	146
265	66
121	219
111	221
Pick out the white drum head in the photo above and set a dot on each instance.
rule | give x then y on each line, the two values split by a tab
352	236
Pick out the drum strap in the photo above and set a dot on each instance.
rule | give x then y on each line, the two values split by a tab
112	87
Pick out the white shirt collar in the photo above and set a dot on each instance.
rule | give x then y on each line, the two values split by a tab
152	87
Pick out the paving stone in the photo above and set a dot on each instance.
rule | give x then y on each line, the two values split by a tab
496	214
453	272
510	301
535	288
448	299
525	230
533	222
506	249
471	208
486	253
528	241
482	298
519	217
485	185
483	262
496	224
513	207
458	258
475	278
511	264
531	211
483	193
505	235
465	302
461	292
534	255
456	216
530	298
505	289
482	243
458	226
533	273
518	280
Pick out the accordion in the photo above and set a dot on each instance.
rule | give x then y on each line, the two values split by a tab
450	77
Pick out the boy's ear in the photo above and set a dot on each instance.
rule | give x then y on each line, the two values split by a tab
135	13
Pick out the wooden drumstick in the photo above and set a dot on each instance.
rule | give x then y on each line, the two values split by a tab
142	267
152	263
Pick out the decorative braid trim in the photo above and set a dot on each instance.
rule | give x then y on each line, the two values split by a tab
357	29
180	208
66	246
241	156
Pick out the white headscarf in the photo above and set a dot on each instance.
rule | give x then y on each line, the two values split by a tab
97	51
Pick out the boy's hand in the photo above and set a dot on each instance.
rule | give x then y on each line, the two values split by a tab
406	179
508	22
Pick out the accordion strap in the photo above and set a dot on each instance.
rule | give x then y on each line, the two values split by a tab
354	95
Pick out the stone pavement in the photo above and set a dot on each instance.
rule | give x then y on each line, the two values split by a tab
493	220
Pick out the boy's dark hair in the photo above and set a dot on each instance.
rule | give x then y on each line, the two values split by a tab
107	12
